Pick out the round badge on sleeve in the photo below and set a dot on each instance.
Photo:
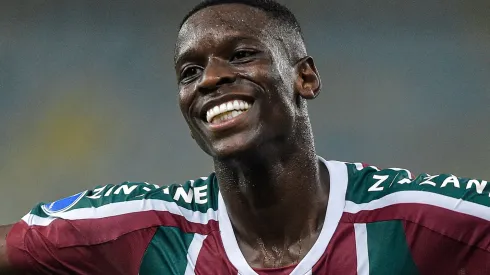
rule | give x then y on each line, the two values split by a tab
63	204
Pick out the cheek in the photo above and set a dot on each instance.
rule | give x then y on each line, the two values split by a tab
281	99
184	109
185	101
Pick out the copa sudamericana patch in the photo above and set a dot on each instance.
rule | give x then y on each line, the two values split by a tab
62	205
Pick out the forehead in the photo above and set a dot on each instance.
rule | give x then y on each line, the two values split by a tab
219	23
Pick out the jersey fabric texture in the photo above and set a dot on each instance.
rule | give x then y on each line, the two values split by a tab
377	222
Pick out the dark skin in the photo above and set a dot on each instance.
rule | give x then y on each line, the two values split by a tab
275	188
273	185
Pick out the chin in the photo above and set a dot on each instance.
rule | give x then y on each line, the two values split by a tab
236	146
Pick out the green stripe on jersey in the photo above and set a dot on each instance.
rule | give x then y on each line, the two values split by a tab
167	252
196	195
371	184
388	249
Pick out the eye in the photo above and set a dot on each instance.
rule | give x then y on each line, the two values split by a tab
189	73
242	55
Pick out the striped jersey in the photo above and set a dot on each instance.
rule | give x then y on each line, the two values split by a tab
381	222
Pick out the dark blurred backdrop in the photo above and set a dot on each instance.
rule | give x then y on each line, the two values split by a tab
88	94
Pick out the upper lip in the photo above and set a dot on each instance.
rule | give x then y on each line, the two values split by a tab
222	99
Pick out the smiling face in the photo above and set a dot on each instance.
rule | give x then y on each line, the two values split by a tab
238	87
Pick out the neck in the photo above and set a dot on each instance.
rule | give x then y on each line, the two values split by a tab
275	199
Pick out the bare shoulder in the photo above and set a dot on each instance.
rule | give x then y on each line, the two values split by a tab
4	265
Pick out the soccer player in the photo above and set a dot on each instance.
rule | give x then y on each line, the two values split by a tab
272	206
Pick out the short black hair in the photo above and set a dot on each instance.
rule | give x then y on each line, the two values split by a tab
274	9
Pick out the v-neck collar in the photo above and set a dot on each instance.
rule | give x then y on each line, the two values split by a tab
336	202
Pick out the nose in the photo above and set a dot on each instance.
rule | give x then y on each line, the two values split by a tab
216	73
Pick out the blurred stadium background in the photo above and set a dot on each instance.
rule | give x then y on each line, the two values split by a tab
88	93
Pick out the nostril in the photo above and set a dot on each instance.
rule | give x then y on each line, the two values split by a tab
225	80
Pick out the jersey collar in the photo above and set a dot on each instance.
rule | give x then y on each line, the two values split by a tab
336	203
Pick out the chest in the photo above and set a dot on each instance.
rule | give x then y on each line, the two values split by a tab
378	248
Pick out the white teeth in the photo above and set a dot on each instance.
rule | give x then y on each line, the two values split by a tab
227	110
222	108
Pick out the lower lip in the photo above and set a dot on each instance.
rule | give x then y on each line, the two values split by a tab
229	123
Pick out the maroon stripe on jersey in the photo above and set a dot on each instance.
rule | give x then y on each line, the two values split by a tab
16	250
340	257
438	219
39	256
276	271
212	258
434	253
66	233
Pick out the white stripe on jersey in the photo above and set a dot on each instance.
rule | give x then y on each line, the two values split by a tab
359	166
361	249
126	207
193	253
422	197
31	219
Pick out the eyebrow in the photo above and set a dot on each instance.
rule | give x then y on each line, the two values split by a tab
190	53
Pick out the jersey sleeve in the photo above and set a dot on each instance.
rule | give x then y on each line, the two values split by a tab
107	230
31	252
93	232
435	253
446	217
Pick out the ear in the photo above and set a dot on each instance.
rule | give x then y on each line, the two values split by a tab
308	83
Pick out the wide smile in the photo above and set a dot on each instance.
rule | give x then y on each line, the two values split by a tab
227	114
226	111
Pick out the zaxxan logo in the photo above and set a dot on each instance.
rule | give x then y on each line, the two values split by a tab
63	204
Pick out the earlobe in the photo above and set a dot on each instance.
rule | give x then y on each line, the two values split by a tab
308	83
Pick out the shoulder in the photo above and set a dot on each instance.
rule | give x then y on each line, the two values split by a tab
375	194
369	183
452	206
107	212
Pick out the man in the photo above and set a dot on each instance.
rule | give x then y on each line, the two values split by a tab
272	206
